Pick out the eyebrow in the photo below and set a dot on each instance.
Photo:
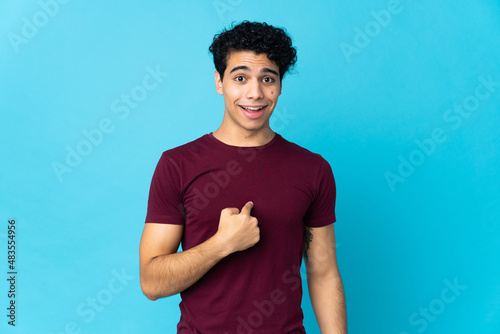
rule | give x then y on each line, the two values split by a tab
246	68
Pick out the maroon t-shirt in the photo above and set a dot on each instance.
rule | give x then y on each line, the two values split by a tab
257	290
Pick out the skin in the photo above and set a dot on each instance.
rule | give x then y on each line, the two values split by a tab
323	280
250	80
165	273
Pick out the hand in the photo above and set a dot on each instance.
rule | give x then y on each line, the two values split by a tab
238	230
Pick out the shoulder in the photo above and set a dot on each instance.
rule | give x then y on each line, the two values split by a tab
177	160
184	151
302	154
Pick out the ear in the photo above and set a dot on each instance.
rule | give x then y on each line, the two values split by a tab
218	83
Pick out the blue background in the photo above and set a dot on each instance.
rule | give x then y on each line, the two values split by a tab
399	242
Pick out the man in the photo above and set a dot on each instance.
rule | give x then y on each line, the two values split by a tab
246	204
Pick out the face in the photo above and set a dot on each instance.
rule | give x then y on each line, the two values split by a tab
251	87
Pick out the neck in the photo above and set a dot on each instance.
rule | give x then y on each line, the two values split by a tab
243	137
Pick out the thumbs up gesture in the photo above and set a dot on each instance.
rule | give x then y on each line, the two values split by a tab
238	230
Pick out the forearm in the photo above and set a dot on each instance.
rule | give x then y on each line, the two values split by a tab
169	274
328	301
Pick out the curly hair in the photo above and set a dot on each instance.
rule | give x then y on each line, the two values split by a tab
257	37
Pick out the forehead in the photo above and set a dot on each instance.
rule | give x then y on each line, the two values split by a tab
249	59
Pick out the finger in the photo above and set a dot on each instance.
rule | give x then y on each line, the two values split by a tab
232	211
247	208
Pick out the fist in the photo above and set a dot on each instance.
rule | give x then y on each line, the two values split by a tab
238	230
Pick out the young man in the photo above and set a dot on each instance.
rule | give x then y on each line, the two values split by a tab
246	204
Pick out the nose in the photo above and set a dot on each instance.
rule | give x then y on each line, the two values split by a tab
254	90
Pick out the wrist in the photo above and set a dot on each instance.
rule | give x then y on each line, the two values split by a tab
218	246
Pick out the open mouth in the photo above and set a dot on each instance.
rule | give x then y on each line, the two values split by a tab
254	109
253	112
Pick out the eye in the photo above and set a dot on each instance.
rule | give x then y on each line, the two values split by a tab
239	78
268	80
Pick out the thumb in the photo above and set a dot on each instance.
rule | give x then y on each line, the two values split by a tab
247	208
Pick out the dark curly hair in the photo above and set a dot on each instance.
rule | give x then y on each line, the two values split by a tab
257	37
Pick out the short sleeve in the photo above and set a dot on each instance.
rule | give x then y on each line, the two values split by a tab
165	203
322	209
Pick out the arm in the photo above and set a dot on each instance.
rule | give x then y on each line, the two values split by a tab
324	281
164	272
